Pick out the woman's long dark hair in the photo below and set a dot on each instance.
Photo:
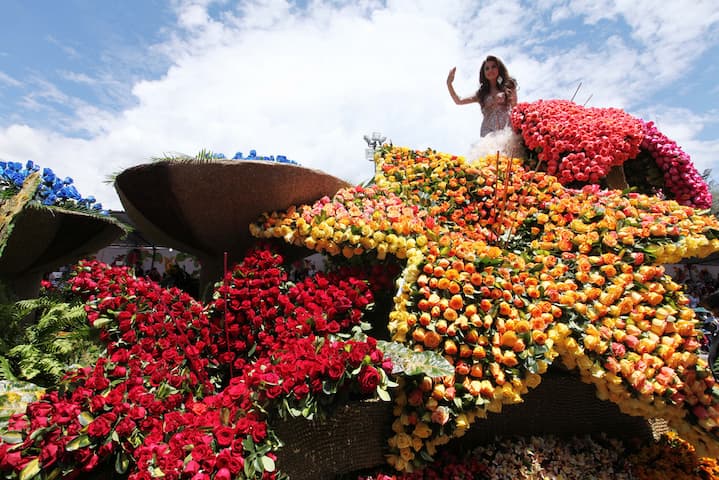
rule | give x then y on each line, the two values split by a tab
507	85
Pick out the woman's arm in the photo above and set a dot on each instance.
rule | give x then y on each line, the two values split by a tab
512	97
453	94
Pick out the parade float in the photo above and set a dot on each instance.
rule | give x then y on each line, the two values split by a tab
461	300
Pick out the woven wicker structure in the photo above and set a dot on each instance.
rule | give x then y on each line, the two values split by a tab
355	436
44	238
562	406
204	208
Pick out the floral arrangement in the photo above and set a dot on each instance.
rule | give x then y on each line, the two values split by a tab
681	178
270	158
209	155
508	270
447	465
52	190
186	391
575	142
549	457
580	144
672	457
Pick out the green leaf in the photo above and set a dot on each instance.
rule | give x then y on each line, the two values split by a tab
383	395
268	465
85	418
101	322
248	445
531	365
249	470
11	438
122	463
31	470
41	431
426	456
6	372
56	472
412	363
78	443
157	472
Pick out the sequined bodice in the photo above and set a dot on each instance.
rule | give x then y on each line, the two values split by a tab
496	113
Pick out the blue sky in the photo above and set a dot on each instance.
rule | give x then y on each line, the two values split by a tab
92	87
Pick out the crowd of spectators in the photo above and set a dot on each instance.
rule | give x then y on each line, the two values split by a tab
699	282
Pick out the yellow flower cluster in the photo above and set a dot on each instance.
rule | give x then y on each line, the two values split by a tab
506	270
672	458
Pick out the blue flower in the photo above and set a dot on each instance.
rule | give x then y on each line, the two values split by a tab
52	189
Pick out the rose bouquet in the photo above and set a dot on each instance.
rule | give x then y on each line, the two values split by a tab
577	143
581	145
184	390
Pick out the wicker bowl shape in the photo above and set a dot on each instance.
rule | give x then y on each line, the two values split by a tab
43	238
355	436
204	208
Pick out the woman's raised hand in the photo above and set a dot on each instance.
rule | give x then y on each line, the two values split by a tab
450	77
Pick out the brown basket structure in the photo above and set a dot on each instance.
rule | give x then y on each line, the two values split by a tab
355	436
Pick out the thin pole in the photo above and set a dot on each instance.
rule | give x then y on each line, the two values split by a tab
576	91
227	333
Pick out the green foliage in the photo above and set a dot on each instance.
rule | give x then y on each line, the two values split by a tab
412	363
40	338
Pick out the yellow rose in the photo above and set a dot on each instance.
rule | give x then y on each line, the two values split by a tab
403	440
406	454
422	430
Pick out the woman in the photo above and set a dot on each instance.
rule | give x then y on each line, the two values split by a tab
496	96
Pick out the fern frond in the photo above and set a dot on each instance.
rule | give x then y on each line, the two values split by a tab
6	372
62	316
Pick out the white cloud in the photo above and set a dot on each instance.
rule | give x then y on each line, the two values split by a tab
672	36
309	82
8	80
69	51
78	77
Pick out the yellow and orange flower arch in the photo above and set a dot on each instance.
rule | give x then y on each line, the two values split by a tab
506	271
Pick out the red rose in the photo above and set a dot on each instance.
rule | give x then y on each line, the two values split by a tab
336	370
223	474
368	379
90	463
49	454
125	427
100	427
224	436
192	467
14	460
137	413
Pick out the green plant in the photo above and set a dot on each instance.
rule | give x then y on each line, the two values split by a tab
40	338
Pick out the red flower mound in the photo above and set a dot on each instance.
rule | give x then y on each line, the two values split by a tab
577	143
161	402
681	178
